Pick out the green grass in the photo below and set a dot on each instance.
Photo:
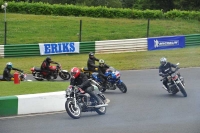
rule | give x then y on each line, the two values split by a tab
9	88
188	57
32	29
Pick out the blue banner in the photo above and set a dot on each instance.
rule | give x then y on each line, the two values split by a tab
168	42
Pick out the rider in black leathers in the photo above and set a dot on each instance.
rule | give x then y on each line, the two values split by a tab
101	71
91	62
45	65
165	69
7	76
80	79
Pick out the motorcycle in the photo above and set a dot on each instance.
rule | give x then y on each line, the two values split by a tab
88	72
113	80
55	71
77	103
175	82
22	77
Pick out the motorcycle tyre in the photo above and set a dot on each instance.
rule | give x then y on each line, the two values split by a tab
69	110
103	89
182	90
66	76
174	92
124	86
102	110
39	79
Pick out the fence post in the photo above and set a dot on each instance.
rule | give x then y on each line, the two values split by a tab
80	31
148	27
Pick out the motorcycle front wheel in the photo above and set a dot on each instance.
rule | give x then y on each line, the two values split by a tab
182	89
74	112
122	87
101	110
65	75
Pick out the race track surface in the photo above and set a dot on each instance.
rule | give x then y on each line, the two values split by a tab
145	108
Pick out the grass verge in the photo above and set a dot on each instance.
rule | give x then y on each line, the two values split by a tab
32	29
187	57
9	88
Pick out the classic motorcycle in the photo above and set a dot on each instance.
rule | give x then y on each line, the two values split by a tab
77	102
113	80
22	77
55	71
175	82
87	72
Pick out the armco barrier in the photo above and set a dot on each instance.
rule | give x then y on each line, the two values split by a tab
2	51
109	46
86	47
32	103
8	105
118	46
18	50
192	40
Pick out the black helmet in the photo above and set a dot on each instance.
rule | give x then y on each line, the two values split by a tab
91	55
48	58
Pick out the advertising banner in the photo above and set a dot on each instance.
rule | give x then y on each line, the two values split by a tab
59	48
170	42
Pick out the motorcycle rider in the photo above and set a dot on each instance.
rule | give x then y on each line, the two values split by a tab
7	76
102	70
80	79
164	69
45	66
91	62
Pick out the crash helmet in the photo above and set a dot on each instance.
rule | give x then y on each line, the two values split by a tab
163	61
75	72
101	62
9	65
48	59
91	55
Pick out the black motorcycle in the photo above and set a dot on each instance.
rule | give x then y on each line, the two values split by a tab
77	102
175	82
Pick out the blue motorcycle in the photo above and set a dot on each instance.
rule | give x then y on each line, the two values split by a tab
113	81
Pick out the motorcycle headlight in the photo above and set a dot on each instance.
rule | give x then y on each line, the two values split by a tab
173	75
68	91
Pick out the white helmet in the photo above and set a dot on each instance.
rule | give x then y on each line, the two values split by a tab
101	62
163	61
9	65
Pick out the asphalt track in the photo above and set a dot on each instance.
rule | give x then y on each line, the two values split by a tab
145	108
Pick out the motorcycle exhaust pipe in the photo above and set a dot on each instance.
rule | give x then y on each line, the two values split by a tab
99	106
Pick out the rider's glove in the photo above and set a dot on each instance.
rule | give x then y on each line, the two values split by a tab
69	87
82	91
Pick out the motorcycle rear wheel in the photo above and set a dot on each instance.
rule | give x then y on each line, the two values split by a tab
74	112
182	89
